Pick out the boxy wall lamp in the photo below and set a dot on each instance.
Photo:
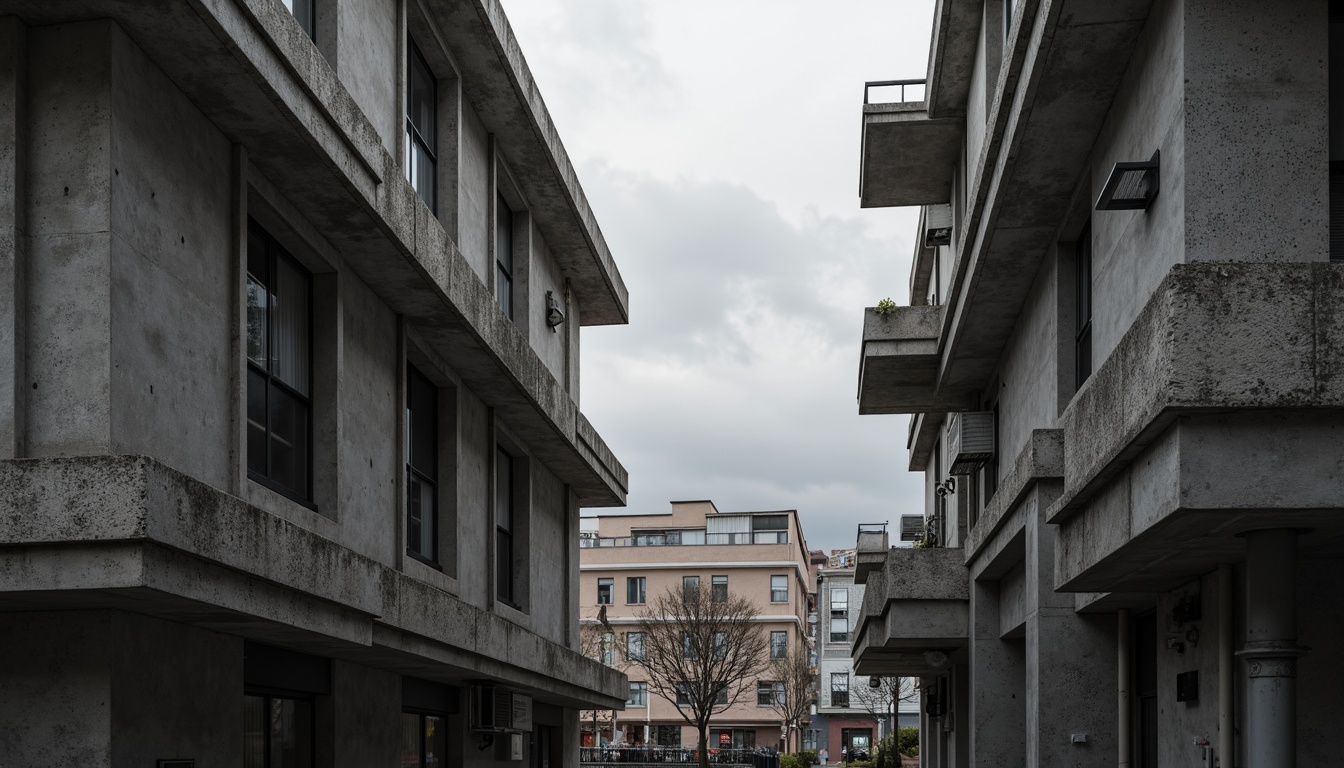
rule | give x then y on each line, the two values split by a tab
1131	186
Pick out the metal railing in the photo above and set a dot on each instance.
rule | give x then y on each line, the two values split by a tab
895	84
758	537
643	755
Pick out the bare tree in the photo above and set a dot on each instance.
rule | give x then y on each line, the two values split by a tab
701	653
596	642
794	682
880	701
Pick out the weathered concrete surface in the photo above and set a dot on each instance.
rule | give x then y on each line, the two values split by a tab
898	363
917	602
13	233
1041	460
82	531
956	25
900	143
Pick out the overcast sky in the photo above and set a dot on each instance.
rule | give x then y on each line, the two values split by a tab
718	142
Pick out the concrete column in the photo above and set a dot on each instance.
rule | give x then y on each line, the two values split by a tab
1271	649
13	232
995	715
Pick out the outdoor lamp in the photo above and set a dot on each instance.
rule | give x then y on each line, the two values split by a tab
1131	186
554	315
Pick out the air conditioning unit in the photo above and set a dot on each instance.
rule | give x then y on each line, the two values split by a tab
970	441
912	527
494	710
937	225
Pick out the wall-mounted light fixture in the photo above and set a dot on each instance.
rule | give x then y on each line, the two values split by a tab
554	314
1131	186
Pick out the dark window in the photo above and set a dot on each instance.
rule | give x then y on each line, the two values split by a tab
424	740
779	589
683	695
719	588
720	645
721	695
690	587
422	466
634	590
770	529
504	526
604	589
688	650
839	629
277	731
1145	712
638	695
422	100
1082	345
504	256
768	694
303	12
279	367
779	644
839	689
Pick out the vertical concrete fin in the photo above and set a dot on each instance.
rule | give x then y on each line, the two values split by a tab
13	235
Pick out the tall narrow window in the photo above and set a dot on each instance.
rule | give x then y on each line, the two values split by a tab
277	731
279	367
634	646
303	12
421	126
504	526
422	466
779	644
638	694
779	589
605	587
1082	347
504	256
635	587
719	588
690	587
839	689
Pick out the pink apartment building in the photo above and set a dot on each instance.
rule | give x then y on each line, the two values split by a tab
629	559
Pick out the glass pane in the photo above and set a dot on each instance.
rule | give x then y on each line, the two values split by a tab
256	422
254	732
422	398
504	291
291	313
504	565
504	235
257	330
291	734
420	517
410	740
289	441
503	491
423	170
421	98
436	742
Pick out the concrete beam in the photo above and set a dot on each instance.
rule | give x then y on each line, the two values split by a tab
907	157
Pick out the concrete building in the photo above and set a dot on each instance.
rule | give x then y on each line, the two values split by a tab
1120	358
630	559
851	713
291	456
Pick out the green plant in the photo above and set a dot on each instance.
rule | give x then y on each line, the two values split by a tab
808	756
792	761
921	543
907	740
861	764
886	307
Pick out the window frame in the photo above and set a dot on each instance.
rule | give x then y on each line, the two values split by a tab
415	59
843	679
306	16
268	697
274	255
504	273
420	715
642	699
506	590
636	586
839	637
769	693
775	592
606	590
779	650
1082	298
431	421
630	655
718	586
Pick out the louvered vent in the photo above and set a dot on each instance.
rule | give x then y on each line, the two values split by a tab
970	441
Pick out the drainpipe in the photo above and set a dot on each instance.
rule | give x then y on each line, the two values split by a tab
1225	746
1271	649
1123	677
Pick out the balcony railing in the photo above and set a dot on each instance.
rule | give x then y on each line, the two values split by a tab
710	539
901	84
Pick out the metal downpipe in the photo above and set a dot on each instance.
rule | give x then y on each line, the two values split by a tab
1123	676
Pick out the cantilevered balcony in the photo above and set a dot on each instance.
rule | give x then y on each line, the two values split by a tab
898	369
915	612
871	551
907	156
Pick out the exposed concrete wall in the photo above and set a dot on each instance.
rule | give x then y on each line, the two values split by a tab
476	196
544	275
997	706
170	276
1027	394
475	519
368	63
365	715
977	111
13	232
176	690
1257	124
56	701
547	555
1133	250
69	217
1180	723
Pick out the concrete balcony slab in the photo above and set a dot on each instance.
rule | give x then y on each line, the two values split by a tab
907	156
915	612
898	367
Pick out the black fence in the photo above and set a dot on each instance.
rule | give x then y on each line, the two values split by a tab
754	757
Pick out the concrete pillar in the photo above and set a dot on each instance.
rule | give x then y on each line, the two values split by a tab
1271	649
13	233
995	715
